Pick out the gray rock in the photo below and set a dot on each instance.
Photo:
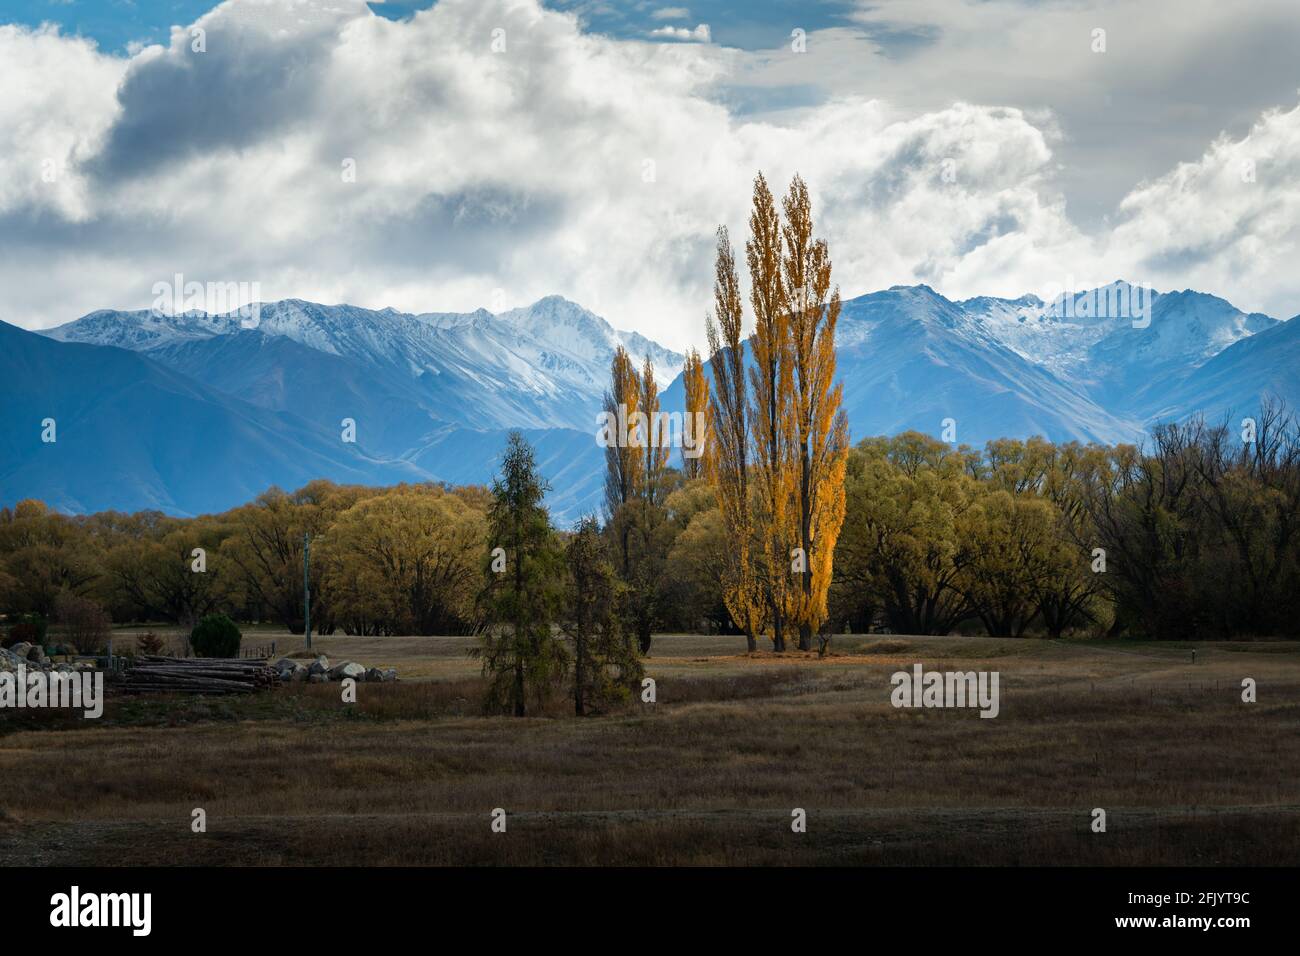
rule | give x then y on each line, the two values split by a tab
293	672
317	679
390	674
347	669
21	650
320	665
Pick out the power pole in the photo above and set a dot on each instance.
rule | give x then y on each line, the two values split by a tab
306	586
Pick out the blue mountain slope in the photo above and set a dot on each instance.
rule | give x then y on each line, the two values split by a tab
283	375
1234	381
132	434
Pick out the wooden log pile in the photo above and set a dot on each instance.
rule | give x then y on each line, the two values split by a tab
197	675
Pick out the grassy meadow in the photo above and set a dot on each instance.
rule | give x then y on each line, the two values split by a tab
1187	772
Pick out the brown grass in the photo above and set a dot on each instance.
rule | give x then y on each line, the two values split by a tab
1187	773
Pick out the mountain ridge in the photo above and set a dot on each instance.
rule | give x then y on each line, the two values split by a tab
432	394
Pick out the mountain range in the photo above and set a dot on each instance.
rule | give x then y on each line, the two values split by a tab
195	413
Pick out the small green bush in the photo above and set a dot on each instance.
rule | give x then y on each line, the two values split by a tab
215	636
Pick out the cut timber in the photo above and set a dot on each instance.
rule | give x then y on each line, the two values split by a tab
197	675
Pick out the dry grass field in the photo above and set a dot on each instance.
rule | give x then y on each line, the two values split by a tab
1188	774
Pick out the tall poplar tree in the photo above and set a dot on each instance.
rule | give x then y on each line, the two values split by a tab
697	424
772	418
821	430
623	460
728	465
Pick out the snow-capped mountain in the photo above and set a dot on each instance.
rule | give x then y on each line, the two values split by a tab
542	366
1118	343
218	411
909	358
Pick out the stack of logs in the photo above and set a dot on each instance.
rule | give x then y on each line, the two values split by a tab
198	675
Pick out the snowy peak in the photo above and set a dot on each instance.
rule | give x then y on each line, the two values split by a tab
566	327
541	366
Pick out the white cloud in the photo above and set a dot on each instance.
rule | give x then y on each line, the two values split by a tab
1229	221
568	163
700	34
671	13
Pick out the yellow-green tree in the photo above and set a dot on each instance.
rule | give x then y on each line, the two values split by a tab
903	539
406	562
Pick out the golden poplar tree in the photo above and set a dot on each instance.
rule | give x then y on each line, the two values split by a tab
624	464
654	446
727	464
772	411
638	518
697	425
821	430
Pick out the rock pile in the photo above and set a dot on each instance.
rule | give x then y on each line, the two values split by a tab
32	657
320	671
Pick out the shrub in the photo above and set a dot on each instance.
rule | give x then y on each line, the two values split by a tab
149	643
29	629
215	636
84	622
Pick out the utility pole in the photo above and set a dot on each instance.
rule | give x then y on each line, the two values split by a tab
306	586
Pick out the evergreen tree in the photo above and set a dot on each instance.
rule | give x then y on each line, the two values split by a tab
522	659
605	663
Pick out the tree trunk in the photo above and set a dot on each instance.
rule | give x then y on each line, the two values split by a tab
519	687
579	675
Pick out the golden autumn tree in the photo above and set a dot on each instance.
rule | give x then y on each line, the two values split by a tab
697	424
727	466
646	515
772	411
623	460
654	445
821	429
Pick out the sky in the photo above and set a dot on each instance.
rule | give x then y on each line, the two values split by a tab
451	155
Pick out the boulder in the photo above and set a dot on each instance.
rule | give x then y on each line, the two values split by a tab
20	650
320	665
295	672
347	669
390	674
317	678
